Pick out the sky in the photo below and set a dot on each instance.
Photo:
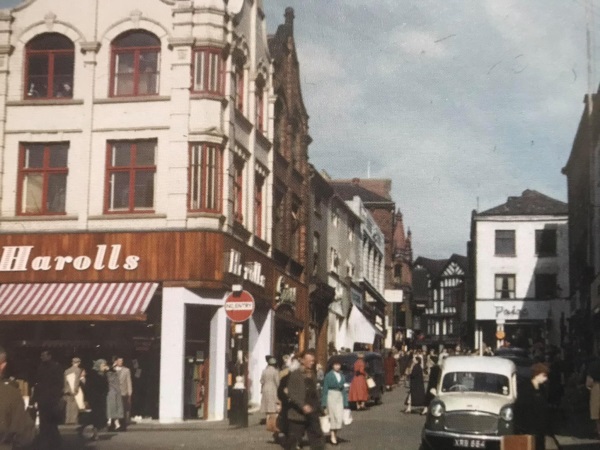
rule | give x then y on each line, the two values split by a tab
461	103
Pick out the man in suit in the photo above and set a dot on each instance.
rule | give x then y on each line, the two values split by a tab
16	429
126	390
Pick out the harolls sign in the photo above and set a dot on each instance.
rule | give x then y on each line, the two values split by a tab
239	306
18	259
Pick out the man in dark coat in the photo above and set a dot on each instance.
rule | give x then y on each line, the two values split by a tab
303	405
16	427
532	411
47	394
417	386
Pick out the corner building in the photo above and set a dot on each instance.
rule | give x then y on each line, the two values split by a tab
136	183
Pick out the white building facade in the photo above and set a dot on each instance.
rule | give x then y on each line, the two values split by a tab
147	116
521	271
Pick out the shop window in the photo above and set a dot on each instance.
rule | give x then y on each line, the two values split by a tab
205	178
208	71
259	183
42	178
130	176
50	59
505	286
238	189
135	64
505	243
545	242
546	286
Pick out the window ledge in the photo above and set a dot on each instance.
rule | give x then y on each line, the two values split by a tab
207	96
118	216
45	102
43	218
505	255
211	215
133	99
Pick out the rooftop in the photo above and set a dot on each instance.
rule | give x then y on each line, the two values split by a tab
530	203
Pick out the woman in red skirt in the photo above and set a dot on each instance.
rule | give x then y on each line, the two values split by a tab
359	392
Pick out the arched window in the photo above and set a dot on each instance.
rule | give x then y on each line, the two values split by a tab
135	64
49	59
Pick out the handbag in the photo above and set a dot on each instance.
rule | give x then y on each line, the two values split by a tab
371	383
325	424
272	423
347	417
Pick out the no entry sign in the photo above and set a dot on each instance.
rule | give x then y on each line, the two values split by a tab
239	306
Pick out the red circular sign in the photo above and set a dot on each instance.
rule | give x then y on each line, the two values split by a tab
239	306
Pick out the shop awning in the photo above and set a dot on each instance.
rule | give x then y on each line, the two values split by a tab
360	329
75	301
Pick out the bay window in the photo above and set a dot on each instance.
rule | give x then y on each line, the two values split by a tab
208	71
205	178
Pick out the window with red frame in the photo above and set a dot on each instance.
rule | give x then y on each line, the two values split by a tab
205	177
135	64
260	109
50	59
259	183
238	189
239	87
208	71
130	170
42	178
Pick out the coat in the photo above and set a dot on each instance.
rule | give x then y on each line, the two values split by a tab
114	401
96	390
389	369
48	392
417	386
359	391
301	390
16	426
434	378
125	381
72	379
533	413
331	382
269	381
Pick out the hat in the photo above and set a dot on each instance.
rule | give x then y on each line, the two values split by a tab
98	364
271	361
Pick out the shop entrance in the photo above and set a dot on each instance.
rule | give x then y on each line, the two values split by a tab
196	373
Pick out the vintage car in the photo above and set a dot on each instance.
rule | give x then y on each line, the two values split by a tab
473	405
373	367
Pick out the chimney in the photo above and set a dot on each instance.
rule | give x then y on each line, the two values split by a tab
355	180
289	18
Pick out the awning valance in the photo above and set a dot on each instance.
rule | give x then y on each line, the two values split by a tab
360	329
75	301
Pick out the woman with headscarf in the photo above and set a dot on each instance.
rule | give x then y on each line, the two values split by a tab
96	389
269	382
359	391
416	397
334	399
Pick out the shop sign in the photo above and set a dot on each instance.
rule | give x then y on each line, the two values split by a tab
18	259
284	293
250	271
239	306
511	313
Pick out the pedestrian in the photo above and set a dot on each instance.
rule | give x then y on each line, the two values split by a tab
334	399
416	398
434	377
592	382
304	405
269	382
16	427
532	410
290	364
126	388
389	370
96	391
359	391
48	395
114	401
74	376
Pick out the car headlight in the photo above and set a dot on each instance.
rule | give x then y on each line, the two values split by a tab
437	409
507	414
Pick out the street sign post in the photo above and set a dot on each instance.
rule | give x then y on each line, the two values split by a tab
239	306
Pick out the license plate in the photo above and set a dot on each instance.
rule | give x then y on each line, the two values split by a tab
469	443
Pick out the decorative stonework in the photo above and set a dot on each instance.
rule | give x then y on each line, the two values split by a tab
91	46
50	20
135	17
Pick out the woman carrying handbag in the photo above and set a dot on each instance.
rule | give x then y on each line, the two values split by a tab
334	401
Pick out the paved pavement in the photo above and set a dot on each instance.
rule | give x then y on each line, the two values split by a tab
381	427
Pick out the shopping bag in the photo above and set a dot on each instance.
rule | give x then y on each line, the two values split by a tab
325	424
272	423
347	417
371	383
517	442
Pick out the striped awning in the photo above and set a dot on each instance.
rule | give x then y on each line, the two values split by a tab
75	301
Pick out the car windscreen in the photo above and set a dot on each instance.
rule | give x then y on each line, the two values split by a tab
492	383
